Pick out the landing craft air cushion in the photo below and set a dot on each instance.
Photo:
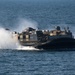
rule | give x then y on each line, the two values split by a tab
47	39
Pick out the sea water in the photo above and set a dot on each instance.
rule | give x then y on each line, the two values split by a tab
17	15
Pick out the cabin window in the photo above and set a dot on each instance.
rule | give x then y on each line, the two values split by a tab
21	36
21	39
27	36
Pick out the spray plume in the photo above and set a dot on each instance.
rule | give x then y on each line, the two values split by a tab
6	37
6	40
24	23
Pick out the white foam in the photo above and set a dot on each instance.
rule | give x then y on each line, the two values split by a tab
6	37
26	48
